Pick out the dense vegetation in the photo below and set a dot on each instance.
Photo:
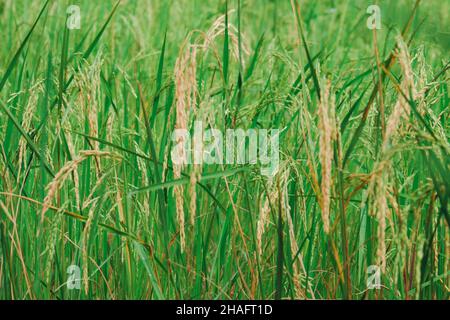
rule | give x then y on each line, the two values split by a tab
86	176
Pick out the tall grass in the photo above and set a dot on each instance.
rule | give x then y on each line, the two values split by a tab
87	179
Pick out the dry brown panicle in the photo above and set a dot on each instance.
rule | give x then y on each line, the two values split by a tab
88	82
407	86
186	96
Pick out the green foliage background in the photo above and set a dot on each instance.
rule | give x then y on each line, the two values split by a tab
115	215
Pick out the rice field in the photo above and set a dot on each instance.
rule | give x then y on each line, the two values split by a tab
94	205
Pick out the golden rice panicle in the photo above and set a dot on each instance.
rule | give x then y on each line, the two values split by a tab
218	28
185	94
64	172
404	59
401	108
57	181
326	135
26	123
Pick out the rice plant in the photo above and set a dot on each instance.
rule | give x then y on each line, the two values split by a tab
350	201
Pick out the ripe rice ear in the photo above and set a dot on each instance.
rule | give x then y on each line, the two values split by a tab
65	171
326	134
